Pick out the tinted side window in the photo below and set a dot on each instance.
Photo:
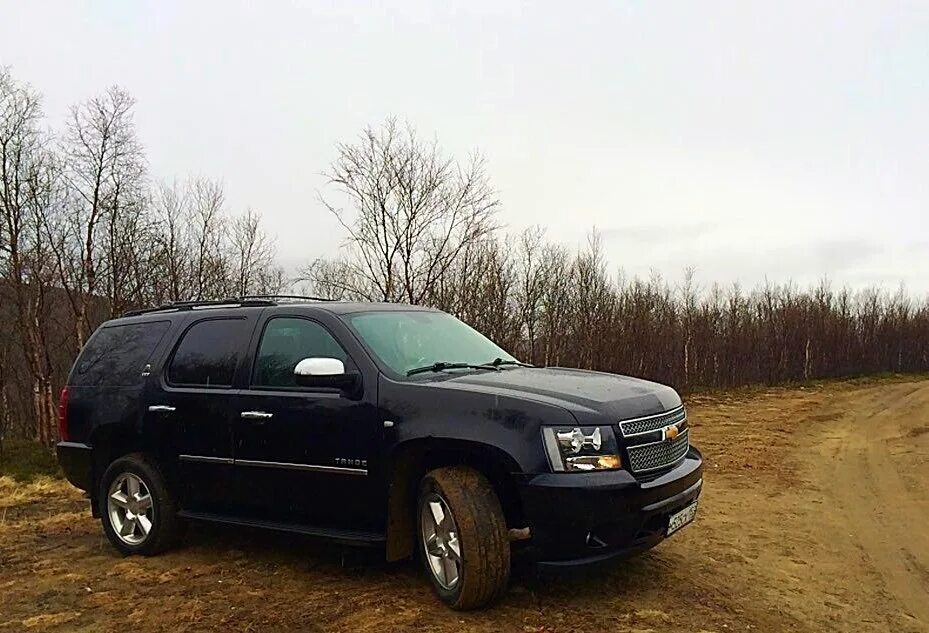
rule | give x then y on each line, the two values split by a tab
285	342
208	353
116	355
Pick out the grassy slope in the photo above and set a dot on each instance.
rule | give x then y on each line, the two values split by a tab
26	461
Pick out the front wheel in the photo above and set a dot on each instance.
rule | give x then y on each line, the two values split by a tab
137	509
463	537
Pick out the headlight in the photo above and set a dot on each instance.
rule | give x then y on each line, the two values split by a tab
581	448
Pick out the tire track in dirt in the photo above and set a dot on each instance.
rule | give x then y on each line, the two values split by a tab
874	448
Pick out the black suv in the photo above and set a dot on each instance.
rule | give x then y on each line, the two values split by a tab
374	424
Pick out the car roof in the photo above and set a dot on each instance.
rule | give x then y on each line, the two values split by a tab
350	307
286	302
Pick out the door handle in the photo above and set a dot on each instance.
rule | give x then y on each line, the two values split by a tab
161	408
256	415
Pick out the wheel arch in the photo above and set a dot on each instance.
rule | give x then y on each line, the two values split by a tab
112	441
413	459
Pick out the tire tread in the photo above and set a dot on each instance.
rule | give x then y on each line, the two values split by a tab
483	535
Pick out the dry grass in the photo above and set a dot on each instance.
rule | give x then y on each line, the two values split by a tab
777	545
13	492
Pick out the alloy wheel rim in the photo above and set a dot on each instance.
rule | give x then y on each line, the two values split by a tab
130	507
440	541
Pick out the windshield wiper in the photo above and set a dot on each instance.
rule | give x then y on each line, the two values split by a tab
442	366
499	362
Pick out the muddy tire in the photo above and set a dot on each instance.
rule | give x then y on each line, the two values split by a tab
462	537
137	508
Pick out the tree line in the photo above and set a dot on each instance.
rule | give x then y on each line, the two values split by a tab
86	232
422	228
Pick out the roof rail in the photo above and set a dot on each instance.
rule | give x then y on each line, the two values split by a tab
299	297
190	305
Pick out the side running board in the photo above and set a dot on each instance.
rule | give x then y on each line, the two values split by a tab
338	535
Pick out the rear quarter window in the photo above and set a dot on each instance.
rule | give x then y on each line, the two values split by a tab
116	355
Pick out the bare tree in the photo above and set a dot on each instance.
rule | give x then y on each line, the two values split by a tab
337	279
413	212
479	287
689	295
251	255
190	234
82	237
204	253
106	176
555	303
593	302
171	239
28	179
208	221
533	277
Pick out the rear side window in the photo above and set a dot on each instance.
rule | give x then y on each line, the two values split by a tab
208	354
116	355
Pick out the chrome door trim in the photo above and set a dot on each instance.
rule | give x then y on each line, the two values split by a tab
335	470
204	459
256	415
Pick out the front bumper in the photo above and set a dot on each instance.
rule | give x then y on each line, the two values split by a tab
586	519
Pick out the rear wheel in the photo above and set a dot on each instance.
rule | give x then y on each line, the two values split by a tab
463	539
137	509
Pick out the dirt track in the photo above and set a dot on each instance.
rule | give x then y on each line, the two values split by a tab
815	517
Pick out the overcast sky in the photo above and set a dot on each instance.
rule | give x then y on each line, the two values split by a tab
745	139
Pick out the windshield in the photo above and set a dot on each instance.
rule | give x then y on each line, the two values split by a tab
408	340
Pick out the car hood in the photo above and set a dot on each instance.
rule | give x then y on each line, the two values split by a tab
584	393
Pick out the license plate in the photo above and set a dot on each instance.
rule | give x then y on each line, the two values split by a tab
682	518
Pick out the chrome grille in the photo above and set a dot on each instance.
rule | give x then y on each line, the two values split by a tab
646	457
652	422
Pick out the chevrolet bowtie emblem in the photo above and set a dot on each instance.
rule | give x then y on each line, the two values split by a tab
671	432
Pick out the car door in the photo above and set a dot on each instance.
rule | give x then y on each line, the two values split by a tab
191	406
303	454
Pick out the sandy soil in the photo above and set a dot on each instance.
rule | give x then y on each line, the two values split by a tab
815	517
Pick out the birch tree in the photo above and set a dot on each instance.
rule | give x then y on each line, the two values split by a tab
409	212
28	195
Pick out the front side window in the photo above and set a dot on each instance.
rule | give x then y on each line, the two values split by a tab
208	353
285	342
407	340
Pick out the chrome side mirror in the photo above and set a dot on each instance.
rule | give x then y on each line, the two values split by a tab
325	373
319	367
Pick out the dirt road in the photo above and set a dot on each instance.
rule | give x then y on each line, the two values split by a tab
815	517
